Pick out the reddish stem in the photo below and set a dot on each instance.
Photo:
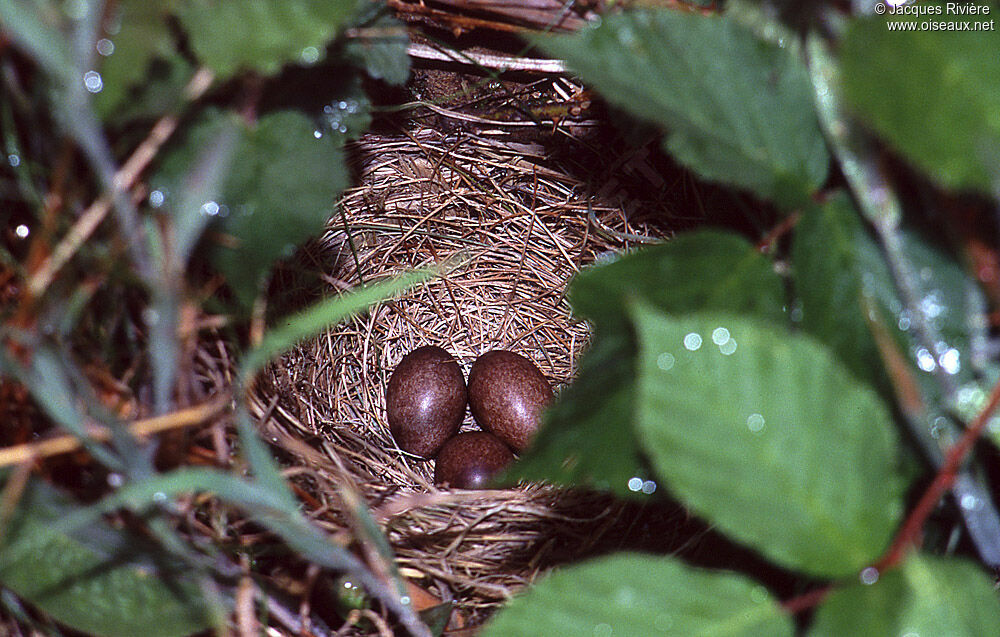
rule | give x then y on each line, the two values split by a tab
910	531
806	601
779	231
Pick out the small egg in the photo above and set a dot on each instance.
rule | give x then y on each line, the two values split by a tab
469	460
425	400
507	395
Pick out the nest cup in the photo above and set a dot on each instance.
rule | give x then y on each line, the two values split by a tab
509	231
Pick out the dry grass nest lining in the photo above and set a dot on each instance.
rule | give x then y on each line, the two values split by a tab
515	230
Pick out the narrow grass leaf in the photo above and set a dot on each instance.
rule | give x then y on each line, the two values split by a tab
320	316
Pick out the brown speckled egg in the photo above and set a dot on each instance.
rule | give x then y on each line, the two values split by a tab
425	400
469	460
507	395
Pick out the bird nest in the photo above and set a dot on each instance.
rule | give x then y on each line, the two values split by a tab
510	229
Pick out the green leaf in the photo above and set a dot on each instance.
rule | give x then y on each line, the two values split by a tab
162	90
738	110
928	596
380	46
140	34
588	436
940	108
632	594
261	36
280	190
836	265
96	579
703	270
765	434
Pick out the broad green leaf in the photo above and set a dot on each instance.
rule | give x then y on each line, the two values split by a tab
703	270
280	190
96	579
737	110
940	108
836	266
139	33
588	436
928	596
633	594
261	36
380	46
162	90
766	435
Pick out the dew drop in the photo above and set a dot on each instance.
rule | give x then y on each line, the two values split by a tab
209	209
13	160
93	81
309	55
939	427
105	47
318	134
931	305
115	480
649	487
159	496
665	361
925	360
869	575
950	361
755	423
728	348
156	198
663	622
22	231
692	341
720	336
635	484
971	502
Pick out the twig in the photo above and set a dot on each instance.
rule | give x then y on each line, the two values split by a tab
957	453
502	63
123	180
145	427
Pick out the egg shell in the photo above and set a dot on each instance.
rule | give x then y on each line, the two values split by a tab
425	400
507	395
470	460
